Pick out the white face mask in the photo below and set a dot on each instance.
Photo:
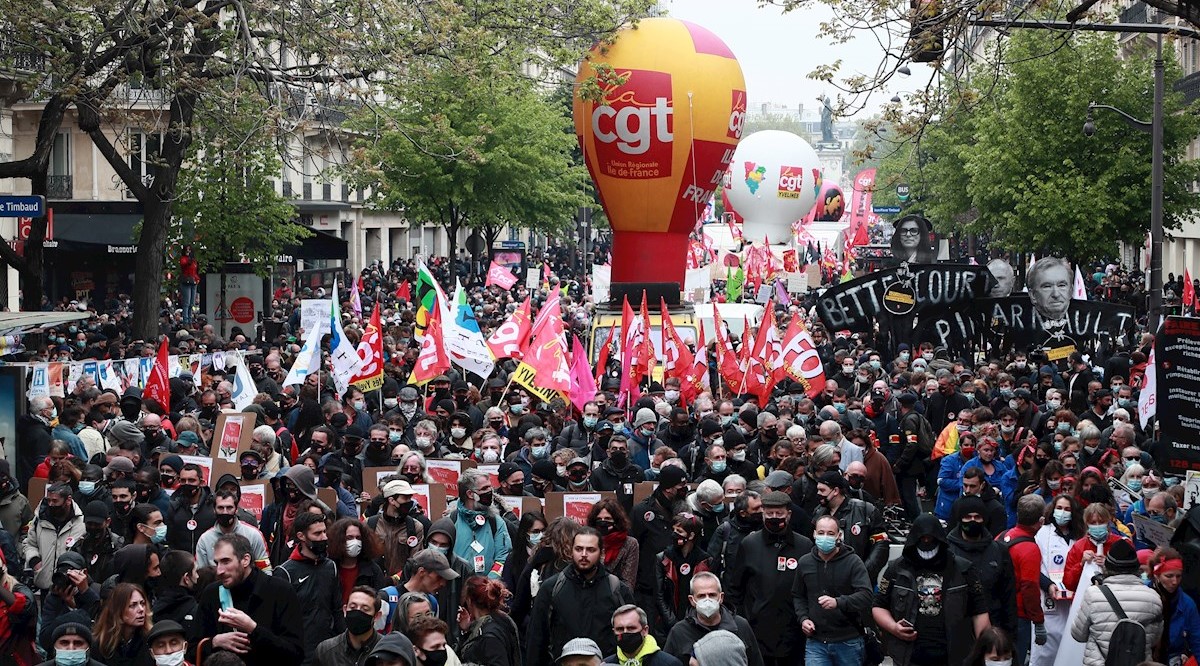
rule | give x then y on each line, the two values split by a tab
354	547
927	554
458	433
997	662
708	607
172	659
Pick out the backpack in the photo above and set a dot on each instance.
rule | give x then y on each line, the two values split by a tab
923	431
1127	645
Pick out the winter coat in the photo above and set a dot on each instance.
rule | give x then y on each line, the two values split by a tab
687	631
98	554
186	524
491	640
995	517
863	530
402	537
33	445
992	564
651	526
844	578
949	484
47	542
1074	567
179	605
1097	619
320	593
625	565
1027	567
760	589
726	543
492	534
621	481
673	576
569	605
273	605
15	512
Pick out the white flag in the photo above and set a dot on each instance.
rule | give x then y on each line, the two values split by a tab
1148	400
244	388
308	360
345	359
39	385
1080	288
464	341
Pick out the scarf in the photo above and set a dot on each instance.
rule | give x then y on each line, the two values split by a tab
613	543
289	515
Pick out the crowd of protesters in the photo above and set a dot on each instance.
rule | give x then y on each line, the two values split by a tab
768	539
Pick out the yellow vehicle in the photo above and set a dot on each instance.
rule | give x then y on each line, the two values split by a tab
683	318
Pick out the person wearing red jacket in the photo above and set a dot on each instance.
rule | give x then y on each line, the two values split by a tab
17	610
189	277
1100	537
1026	557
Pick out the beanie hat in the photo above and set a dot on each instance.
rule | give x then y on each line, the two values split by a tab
643	417
1121	558
720	648
671	476
969	504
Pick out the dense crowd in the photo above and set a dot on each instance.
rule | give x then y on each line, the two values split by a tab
1005	481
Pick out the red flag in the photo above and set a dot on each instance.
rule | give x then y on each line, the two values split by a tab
158	384
801	361
583	386
695	379
631	341
677	358
1189	292
761	365
433	359
500	276
602	356
370	350
510	339
547	354
404	291
727	364
646	358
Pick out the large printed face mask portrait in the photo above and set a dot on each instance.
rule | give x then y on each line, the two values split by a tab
1004	278
1050	287
910	241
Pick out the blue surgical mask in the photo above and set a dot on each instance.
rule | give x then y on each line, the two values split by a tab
540	452
1160	518
875	364
160	534
87	487
718	508
1134	484
70	657
394	435
825	543
840	407
1098	532
444	550
535	538
517	408
1062	516
726	420
718	466
590	421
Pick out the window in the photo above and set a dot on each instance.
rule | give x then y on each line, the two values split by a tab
60	155
144	149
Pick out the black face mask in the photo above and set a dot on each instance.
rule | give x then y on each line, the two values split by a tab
604	527
293	495
485	499
414	478
186	492
435	657
319	548
972	529
630	643
404	508
1095	494
226	520
769	435
755	520
358	622
95	532
122	507
619	458
142	491
775	525
680	541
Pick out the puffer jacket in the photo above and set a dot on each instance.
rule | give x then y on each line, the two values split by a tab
46	542
1096	619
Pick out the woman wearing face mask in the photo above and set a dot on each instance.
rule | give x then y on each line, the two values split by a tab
675	567
459	435
620	549
1050	485
1132	478
1101	535
489	635
146	526
529	534
412	468
121	629
428	636
1179	609
356	550
993	647
1061	528
550	556
1151	486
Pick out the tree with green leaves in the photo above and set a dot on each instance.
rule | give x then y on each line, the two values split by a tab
1019	168
470	153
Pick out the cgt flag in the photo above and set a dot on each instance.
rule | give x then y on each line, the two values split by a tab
500	276
511	338
433	359
547	353
370	352
158	384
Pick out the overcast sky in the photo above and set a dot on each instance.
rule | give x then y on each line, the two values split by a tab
777	51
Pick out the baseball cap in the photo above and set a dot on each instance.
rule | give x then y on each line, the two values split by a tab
397	487
431	560
120	464
581	647
95	512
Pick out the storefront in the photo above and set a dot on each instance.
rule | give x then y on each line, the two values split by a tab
92	254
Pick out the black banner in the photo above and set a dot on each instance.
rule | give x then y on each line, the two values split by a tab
1015	322
1177	368
855	305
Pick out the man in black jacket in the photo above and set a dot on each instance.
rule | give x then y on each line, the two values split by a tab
651	526
706	616
760	586
970	539
315	580
862	526
617	473
746	518
193	511
260	620
831	590
579	601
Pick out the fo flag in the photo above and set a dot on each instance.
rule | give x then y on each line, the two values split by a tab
801	361
370	352
500	276
433	359
157	384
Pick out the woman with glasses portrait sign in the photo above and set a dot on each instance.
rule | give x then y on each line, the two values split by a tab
910	241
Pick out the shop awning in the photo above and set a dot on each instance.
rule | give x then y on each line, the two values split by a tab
17	323
320	245
95	228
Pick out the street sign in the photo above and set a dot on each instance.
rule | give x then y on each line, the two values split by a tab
903	191
885	210
22	206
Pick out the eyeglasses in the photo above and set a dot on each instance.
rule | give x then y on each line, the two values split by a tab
909	232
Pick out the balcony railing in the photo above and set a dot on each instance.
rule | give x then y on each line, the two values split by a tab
59	188
307	192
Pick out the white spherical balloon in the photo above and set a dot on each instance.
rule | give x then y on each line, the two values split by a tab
774	182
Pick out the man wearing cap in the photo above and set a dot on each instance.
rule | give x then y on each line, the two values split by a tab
582	652
651	526
401	533
57	527
760	582
482	536
314	577
780	481
579	474
642	438
862	526
578	601
188	444
543	478
428	573
72	646
168	644
353	646
99	542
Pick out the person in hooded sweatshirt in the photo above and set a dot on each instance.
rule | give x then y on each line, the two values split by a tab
829	593
440	538
930	604
296	485
971	540
176	599
314	577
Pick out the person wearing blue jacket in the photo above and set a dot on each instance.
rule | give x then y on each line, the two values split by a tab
950	475
1179	609
481	535
985	458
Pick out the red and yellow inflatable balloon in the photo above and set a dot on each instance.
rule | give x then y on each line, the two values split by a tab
658	144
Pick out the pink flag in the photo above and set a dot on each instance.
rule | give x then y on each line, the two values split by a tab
500	276
583	385
355	299
781	294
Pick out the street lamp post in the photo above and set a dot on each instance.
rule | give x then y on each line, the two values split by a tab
1155	129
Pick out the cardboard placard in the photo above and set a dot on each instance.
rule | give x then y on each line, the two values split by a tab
206	466
493	472
813	271
797	283
643	490
1151	531
446	472
256	495
221	468
37	493
431	498
573	505
231	435
371	477
328	496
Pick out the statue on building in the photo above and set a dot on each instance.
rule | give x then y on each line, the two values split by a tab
826	119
